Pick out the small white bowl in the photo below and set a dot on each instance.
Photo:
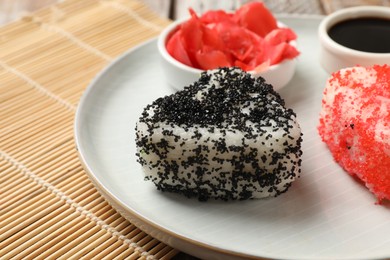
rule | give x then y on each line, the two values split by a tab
180	75
334	56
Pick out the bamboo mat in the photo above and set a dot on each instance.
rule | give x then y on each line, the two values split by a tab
49	209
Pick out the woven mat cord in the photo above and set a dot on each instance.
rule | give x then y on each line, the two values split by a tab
49	209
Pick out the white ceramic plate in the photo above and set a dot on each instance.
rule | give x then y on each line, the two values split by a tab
326	214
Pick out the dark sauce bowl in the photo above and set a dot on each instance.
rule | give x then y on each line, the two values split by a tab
356	36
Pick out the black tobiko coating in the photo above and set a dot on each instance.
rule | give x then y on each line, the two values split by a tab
224	100
220	105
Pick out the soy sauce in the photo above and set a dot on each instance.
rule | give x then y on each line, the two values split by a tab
363	34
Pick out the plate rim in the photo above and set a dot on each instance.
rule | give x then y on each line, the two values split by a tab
131	215
112	199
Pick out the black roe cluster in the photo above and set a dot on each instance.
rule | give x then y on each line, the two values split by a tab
184	139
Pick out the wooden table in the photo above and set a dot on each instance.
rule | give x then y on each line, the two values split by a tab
177	9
